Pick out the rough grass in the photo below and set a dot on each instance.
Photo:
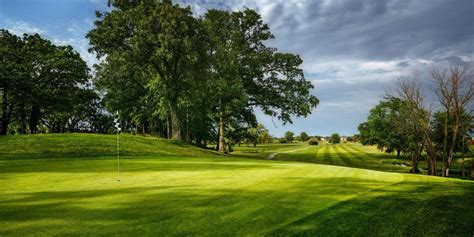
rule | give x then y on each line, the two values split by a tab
175	189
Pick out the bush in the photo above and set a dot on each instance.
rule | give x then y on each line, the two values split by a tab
313	142
335	138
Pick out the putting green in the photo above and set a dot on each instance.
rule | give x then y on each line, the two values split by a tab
175	189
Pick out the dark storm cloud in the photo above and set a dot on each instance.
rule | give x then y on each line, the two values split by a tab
354	50
373	29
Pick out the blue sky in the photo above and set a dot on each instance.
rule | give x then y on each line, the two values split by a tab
352	50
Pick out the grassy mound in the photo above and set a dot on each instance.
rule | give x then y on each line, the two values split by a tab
91	145
169	194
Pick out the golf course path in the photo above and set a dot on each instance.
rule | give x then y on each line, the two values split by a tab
271	156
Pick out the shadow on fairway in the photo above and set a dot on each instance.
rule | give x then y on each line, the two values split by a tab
405	209
178	209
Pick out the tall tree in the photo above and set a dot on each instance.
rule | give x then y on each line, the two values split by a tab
42	84
247	73
455	90
382	128
161	38
420	115
12	75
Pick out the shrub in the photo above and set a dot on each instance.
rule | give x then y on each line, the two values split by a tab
335	138
313	142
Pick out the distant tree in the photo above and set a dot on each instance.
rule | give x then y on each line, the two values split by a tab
289	136
258	134
303	136
335	138
356	138
381	128
313	141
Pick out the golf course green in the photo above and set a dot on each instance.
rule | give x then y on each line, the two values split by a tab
68	184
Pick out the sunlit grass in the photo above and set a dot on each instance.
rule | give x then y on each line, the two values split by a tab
182	190
347	155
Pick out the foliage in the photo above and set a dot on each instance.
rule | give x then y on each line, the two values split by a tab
313	141
303	136
47	86
383	126
181	73
335	138
289	136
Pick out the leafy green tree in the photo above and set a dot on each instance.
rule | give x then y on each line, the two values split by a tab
304	136
437	130
246	73
43	85
335	138
289	136
161	40
12	75
381	128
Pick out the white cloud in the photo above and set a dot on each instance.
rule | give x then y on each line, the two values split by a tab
21	27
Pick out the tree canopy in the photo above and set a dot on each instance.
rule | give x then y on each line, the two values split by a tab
199	78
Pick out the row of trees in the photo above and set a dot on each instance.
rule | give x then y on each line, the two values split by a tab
406	121
165	71
43	87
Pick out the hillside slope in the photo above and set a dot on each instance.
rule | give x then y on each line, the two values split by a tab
91	145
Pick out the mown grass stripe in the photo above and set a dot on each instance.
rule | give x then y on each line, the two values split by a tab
335	157
343	157
327	156
353	153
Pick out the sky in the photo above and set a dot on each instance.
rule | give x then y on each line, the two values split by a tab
353	51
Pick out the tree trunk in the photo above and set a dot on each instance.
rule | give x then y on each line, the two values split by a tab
175	129
34	117
414	163
445	141
221	132
22	121
398	153
187	125
5	113
463	171
472	170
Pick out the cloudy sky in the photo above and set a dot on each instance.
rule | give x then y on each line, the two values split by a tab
353	51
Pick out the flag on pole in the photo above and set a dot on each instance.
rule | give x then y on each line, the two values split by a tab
117	123
117	126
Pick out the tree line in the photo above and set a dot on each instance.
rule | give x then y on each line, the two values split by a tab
43	87
166	71
407	120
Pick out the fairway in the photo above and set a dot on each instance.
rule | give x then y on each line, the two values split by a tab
196	192
347	155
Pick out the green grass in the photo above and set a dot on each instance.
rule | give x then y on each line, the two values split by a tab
67	185
347	154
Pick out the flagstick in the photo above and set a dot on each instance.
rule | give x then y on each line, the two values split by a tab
118	156
117	126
